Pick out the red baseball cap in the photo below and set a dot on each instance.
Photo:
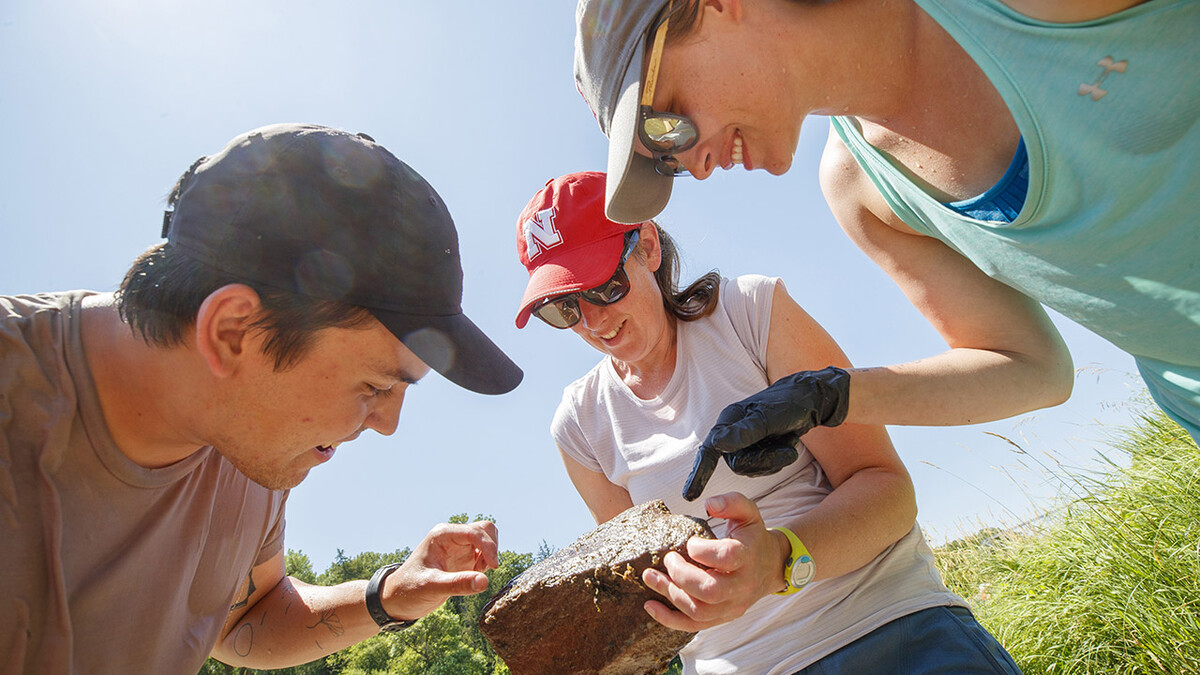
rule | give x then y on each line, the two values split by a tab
565	240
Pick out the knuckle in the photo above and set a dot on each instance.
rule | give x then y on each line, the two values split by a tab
709	590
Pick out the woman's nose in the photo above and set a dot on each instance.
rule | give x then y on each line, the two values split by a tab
591	315
698	161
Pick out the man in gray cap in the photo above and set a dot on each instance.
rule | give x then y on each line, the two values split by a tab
150	436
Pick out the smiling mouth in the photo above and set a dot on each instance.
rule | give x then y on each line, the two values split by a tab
612	334
327	451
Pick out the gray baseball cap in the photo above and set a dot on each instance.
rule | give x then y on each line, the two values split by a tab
610	46
336	216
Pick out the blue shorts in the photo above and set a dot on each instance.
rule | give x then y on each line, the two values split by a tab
938	640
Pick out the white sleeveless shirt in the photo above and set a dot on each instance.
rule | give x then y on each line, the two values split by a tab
648	447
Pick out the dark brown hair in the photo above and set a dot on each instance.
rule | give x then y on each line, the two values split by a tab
696	301
684	18
161	295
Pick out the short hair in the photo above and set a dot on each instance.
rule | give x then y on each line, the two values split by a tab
163	290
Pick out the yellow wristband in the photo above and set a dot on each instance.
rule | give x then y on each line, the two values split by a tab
799	568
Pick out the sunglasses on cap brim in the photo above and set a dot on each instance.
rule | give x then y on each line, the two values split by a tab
563	311
664	134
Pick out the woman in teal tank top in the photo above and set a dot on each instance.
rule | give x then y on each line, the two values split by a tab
991	157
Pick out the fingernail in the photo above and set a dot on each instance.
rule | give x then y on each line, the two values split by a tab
714	504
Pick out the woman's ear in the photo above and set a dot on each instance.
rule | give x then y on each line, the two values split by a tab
223	325
651	248
731	9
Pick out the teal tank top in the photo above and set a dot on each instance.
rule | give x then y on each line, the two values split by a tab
1108	234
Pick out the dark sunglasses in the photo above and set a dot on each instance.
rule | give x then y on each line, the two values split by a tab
663	134
563	311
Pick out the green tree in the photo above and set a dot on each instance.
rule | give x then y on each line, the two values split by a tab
361	566
299	566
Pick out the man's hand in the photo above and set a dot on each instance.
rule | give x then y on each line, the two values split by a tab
729	576
756	436
449	561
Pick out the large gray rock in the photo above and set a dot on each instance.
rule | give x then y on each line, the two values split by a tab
580	609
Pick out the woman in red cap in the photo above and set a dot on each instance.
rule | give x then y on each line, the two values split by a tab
821	561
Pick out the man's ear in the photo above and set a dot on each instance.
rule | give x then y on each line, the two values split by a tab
223	327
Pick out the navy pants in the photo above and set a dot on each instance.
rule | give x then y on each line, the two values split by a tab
934	641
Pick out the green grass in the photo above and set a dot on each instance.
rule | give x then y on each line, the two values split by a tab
1110	583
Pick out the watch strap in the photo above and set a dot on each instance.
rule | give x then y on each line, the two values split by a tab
798	557
375	603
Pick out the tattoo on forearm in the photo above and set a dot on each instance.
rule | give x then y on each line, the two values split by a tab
330	618
244	640
249	591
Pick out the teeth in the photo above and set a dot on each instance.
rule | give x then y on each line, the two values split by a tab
610	335
736	154
333	446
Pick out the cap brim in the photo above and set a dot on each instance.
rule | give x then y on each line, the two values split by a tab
635	192
456	348
583	267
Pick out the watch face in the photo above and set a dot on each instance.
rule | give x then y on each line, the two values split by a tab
803	571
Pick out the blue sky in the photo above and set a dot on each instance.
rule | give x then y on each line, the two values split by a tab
104	103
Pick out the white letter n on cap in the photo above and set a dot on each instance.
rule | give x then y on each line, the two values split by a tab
540	234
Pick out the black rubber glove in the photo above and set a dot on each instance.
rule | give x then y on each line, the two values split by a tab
757	435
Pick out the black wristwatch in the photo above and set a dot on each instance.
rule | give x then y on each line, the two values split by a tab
375	606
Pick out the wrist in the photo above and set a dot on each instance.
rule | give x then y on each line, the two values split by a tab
799	568
783	550
374	599
837	381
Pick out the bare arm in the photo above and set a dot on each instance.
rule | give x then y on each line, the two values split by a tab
281	621
603	498
871	506
1005	355
873	503
286	621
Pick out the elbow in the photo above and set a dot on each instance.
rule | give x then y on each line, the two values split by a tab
901	504
1059	378
1043	375
1061	391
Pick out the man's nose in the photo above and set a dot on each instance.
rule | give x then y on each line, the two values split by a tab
386	415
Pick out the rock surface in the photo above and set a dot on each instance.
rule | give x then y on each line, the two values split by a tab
580	609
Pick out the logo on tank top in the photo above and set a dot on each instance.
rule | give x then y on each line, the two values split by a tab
540	233
1109	67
